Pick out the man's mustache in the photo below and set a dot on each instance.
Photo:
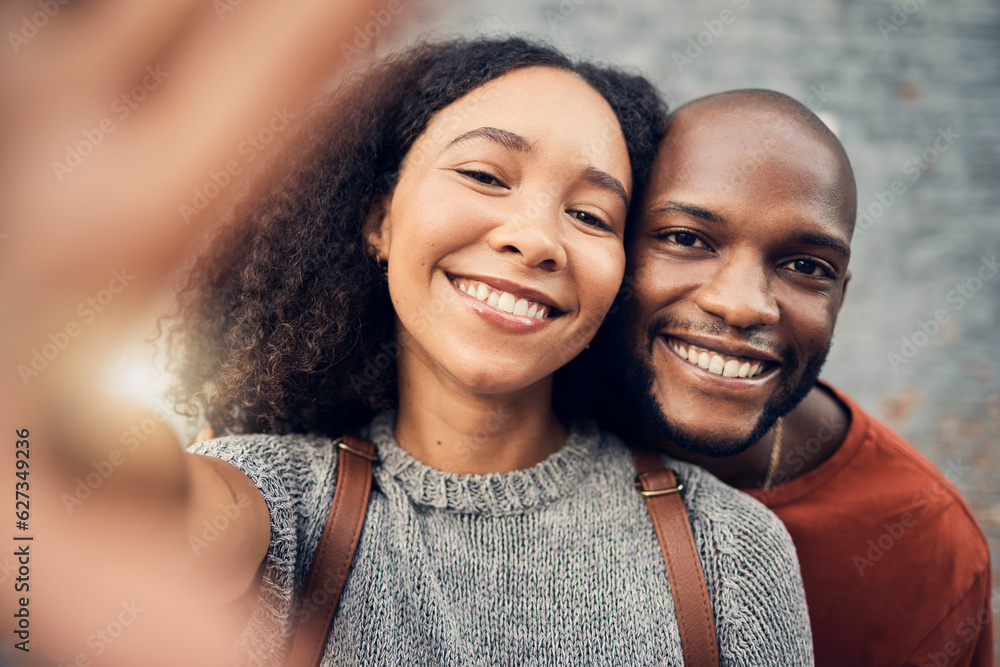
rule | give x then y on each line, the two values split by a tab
667	324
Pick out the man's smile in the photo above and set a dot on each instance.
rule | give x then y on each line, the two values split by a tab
730	361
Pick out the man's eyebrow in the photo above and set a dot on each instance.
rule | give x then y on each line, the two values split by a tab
603	179
508	140
695	211
827	241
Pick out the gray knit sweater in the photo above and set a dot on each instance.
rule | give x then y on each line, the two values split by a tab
554	565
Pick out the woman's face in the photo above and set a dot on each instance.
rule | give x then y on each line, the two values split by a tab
504	233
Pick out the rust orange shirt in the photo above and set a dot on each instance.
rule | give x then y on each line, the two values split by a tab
896	570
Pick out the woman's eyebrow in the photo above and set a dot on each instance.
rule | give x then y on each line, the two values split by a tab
603	179
508	140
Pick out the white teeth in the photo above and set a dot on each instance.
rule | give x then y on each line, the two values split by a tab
506	302
503	300
716	364
703	360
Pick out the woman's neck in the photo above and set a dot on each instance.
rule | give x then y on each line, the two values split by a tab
451	428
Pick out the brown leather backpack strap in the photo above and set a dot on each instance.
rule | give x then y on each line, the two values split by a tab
331	562
687	579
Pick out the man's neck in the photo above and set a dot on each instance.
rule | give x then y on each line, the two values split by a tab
811	433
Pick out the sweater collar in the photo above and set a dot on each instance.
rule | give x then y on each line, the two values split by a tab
493	494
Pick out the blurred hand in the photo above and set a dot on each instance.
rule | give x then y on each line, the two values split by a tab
121	123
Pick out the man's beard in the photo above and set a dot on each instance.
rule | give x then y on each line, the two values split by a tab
641	378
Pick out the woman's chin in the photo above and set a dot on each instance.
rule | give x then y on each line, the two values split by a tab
497	380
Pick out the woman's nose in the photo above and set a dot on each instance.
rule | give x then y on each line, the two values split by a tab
535	235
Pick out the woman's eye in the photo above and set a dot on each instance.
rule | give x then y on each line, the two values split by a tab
482	177
686	239
591	220
808	267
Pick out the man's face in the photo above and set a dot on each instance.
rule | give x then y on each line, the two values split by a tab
738	266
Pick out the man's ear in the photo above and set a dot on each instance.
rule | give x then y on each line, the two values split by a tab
843	291
377	231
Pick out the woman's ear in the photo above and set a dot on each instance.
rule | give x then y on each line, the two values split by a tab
377	231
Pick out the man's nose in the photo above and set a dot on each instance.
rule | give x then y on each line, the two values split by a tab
740	292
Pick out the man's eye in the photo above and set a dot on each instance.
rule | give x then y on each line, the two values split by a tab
686	239
808	267
590	220
482	177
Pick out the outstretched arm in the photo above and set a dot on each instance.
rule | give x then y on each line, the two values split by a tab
117	114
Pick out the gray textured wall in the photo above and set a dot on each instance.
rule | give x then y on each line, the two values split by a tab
890	79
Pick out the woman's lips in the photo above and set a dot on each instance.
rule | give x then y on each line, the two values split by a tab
501	300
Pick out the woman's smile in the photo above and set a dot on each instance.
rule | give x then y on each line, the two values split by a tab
510	310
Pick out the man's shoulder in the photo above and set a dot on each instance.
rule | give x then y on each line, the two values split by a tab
875	526
879	486
880	456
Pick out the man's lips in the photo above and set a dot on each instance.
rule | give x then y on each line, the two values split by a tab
723	358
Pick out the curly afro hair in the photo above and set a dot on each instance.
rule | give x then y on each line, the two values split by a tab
284	324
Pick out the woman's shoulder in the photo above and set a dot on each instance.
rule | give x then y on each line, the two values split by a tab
725	521
296	475
751	569
717	501
289	470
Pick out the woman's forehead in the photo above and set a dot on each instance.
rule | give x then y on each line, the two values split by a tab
545	105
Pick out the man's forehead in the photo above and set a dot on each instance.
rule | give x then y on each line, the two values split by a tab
739	135
736	152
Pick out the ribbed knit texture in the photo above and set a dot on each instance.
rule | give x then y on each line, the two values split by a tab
557	564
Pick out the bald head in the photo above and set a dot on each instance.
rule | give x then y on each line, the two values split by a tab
765	121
